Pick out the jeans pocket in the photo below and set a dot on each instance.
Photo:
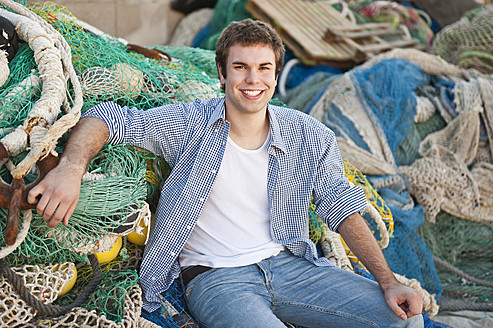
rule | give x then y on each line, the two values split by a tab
192	284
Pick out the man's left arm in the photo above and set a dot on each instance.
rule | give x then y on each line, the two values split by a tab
404	301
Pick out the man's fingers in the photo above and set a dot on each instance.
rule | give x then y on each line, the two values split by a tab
398	310
69	213
34	193
49	213
416	306
42	204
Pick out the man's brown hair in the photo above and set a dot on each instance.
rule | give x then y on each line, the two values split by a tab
246	33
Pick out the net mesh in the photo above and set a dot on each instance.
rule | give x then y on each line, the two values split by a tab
120	179
467	42
469	247
443	159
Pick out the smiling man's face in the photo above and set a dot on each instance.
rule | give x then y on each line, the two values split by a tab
250	79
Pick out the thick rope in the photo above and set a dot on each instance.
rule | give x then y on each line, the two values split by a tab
451	304
461	273
48	309
54	59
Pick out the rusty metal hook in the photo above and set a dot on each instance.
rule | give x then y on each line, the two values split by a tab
14	196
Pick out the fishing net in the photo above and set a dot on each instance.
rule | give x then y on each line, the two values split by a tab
443	153
305	95
413	21
467	42
466	245
225	11
390	99
188	27
121	184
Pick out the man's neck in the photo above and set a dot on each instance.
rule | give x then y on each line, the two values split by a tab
249	131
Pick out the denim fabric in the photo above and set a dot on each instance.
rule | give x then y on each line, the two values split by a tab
286	288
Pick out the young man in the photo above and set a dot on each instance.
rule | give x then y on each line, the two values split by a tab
233	214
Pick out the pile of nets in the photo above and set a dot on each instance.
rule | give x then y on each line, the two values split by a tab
420	128
467	42
122	183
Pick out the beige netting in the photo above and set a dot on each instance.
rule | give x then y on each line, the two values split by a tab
334	250
4	67
189	90
486	89
460	137
441	179
424	110
442	182
430	63
80	317
44	282
189	26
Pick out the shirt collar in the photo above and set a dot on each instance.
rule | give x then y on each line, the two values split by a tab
277	141
275	130
218	113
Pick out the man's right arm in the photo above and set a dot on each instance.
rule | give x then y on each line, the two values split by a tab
57	194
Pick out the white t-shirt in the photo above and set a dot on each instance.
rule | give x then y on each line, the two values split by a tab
234	227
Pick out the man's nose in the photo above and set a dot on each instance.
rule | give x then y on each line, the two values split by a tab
252	76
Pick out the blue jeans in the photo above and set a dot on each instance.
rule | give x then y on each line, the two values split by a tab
286	288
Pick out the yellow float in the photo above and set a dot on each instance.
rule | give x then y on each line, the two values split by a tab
111	254
140	238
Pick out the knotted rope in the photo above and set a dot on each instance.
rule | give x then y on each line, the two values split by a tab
47	309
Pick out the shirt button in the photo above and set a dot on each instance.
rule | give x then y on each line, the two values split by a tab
189	227
153	278
201	199
173	254
216	130
213	171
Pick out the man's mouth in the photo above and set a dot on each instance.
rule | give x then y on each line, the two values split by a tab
252	93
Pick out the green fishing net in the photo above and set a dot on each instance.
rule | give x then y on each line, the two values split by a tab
120	179
467	42
466	245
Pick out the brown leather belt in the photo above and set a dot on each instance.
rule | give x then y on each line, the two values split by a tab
191	272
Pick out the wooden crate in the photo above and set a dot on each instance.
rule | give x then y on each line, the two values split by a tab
319	34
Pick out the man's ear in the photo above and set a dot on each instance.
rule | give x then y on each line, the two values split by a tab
219	71
221	76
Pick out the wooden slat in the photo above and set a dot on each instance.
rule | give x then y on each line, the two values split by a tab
306	27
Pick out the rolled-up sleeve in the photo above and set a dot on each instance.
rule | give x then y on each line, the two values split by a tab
159	130
335	198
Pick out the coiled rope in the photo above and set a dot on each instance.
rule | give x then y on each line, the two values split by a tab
49	309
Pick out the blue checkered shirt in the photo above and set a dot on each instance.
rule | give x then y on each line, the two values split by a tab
304	160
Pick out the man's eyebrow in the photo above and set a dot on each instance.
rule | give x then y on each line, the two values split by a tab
241	63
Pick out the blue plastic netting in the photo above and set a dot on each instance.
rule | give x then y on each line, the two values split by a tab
388	90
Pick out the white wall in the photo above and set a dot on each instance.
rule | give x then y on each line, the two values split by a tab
143	22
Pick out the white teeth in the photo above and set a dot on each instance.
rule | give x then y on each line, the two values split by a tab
252	92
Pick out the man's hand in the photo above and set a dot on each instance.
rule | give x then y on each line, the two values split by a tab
59	191
58	194
404	301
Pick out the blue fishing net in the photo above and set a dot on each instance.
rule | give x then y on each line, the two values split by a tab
388	90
